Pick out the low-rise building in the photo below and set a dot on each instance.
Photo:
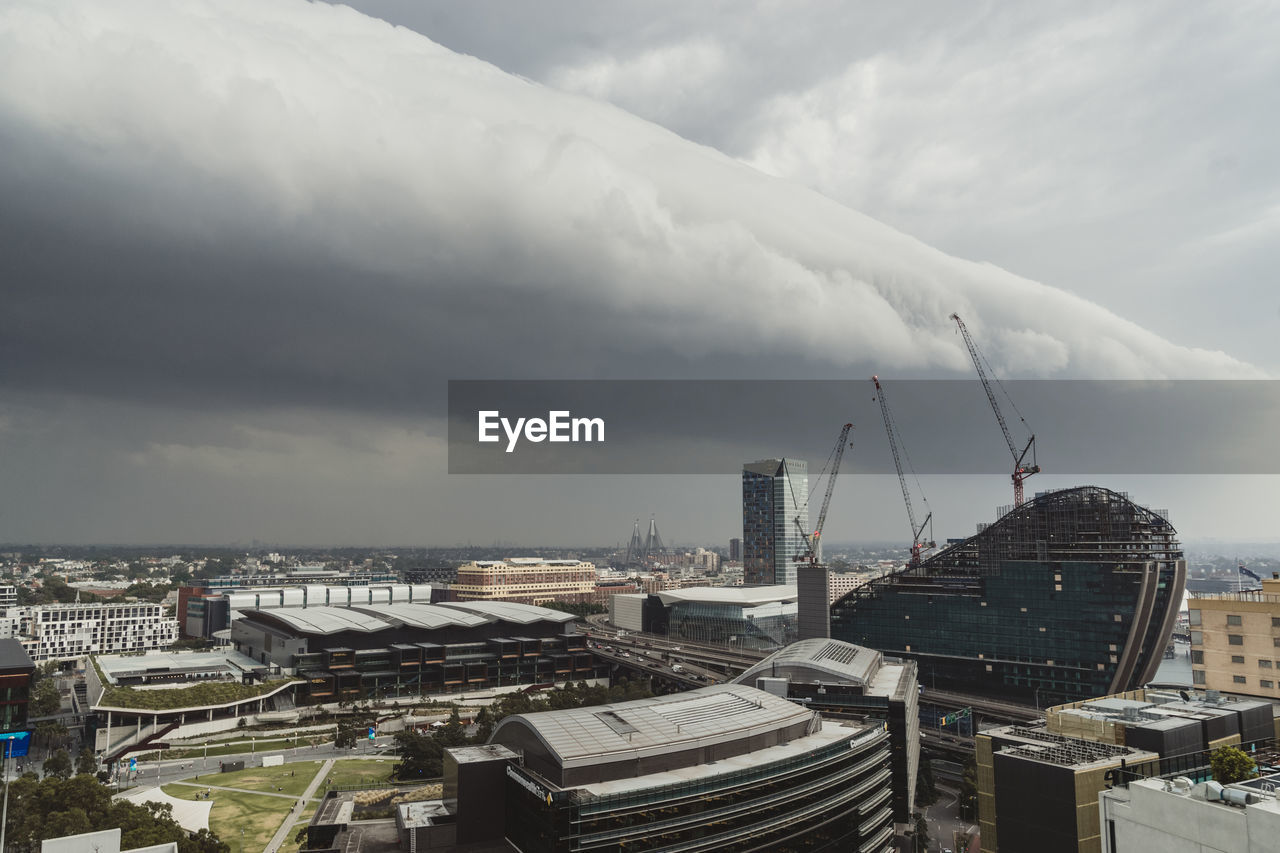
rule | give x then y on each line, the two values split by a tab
63	632
1179	814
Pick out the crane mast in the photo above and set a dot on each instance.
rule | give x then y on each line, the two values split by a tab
917	544
811	541
1021	471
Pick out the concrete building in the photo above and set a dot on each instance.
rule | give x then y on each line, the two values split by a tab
1177	814
413	649
526	579
8	597
723	767
63	632
841	680
775	492
1041	782
1235	640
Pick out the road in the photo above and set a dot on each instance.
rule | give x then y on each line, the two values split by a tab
944	822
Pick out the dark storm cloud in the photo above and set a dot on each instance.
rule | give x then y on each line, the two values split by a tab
247	245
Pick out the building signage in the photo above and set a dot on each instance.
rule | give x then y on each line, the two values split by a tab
528	784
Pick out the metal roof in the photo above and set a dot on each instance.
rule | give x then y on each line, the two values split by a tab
654	726
328	620
428	616
748	596
511	611
819	660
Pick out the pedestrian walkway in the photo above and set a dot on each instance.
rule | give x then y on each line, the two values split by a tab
236	790
296	812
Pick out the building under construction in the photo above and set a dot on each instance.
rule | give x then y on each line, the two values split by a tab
1071	595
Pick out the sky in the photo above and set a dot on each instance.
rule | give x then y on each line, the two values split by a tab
247	245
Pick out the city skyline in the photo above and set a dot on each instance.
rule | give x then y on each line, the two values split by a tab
247	247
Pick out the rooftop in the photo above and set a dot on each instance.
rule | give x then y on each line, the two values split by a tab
658	725
820	660
14	656
742	595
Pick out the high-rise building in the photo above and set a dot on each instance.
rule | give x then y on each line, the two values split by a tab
735	550
1071	595
775	494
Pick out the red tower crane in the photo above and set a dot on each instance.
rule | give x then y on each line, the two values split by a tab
917	543
833	463
1021	470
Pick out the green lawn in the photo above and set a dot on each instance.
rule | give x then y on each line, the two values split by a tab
267	778
243	745
359	771
246	822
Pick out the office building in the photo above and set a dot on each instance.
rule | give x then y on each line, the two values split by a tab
64	632
1071	595
727	767
735	550
756	617
531	580
775	493
1235	640
840	680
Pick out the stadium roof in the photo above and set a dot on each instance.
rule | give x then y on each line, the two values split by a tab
327	620
749	596
428	616
511	611
662	724
818	660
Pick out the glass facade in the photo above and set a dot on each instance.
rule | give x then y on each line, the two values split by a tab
834	797
763	626
1069	596
775	492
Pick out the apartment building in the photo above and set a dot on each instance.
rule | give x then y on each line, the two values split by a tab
526	579
70	631
1235	640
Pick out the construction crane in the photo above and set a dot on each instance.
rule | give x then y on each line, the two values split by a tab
1021	470
918	544
833	463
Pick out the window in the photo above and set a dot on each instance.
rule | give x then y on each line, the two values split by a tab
1265	664
1239	679
1262	682
1193	617
1233	619
1275	621
1235	639
1197	676
1237	658
1197	638
1197	656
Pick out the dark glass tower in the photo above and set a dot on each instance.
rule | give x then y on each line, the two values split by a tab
1069	596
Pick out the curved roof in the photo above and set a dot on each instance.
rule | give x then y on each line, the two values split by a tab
654	726
510	611
327	620
428	616
746	596
818	660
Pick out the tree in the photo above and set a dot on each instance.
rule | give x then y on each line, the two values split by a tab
421	756
484	725
59	764
1231	764
969	790
45	699
922	839
926	790
346	736
86	762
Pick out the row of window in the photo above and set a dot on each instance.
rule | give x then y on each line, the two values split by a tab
1233	619
1198	677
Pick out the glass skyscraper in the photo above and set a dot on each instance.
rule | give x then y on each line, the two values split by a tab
775	492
